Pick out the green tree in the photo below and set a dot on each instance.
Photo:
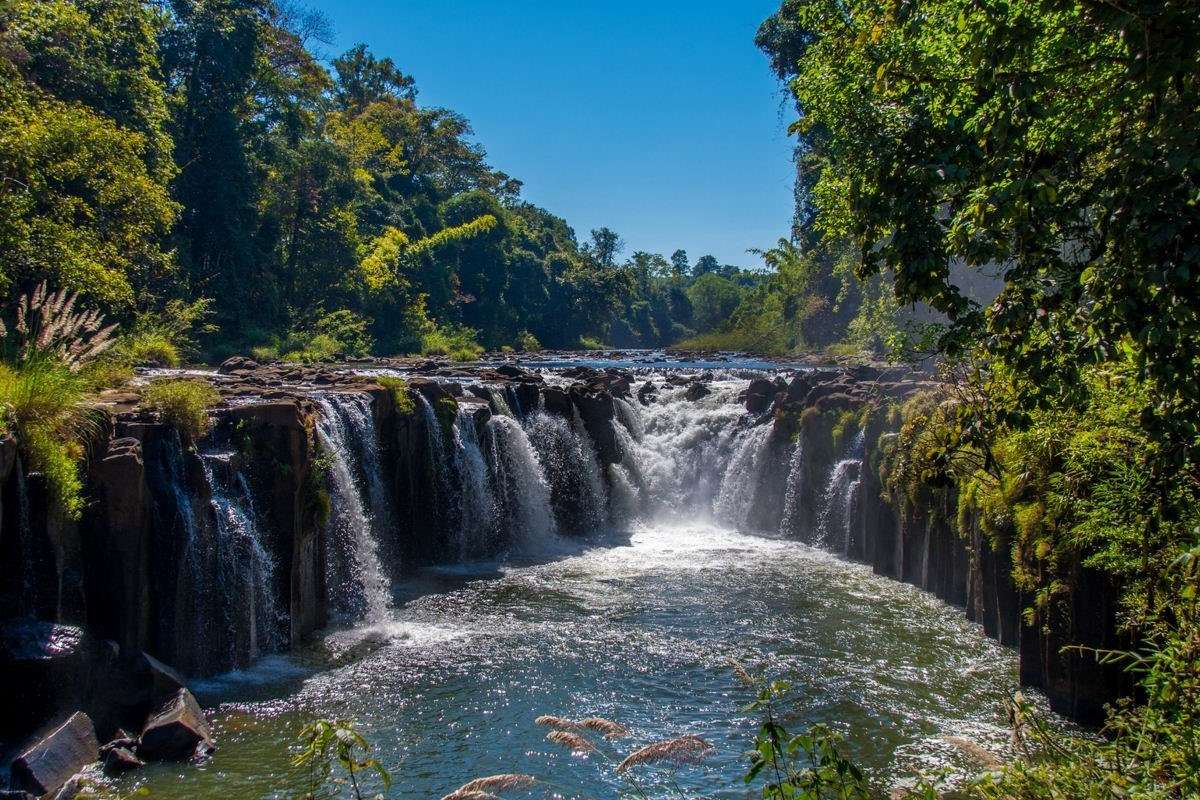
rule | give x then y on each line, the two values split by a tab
1055	138
679	264
82	150
210	52
713	299
705	265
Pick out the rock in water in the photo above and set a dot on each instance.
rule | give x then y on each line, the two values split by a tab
237	364
121	759
50	763
177	731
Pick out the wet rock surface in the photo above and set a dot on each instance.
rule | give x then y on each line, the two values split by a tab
49	763
178	731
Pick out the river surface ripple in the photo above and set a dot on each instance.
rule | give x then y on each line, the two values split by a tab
636	626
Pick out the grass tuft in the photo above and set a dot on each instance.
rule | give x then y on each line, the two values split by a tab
183	404
401	393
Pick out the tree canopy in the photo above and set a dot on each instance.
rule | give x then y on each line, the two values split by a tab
194	149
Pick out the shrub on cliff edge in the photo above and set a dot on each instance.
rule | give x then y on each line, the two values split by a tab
183	404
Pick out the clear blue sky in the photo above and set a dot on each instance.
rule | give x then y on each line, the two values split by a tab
657	118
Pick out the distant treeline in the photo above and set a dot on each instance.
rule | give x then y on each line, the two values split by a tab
155	152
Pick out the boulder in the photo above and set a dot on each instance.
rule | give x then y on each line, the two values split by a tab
477	409
511	371
527	395
696	391
556	401
164	682
838	402
647	393
429	389
51	762
50	667
597	411
235	364
121	759
759	395
178	731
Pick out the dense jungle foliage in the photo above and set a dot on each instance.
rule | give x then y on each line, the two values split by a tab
1050	144
169	152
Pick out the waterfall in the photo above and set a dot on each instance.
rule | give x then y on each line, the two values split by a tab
568	460
476	503
840	499
624	502
675	451
245	570
435	443
629	417
195	553
741	478
358	586
521	485
514	401
794	491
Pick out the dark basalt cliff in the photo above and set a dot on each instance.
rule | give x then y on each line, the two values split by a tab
108	614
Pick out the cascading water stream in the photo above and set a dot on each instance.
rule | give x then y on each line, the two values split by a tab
476	502
733	503
569	462
359	587
521	484
840	499
436	450
793	491
245	570
676	452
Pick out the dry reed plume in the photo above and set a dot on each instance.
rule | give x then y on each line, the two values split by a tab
510	780
478	789
606	727
610	729
571	740
48	324
558	723
681	750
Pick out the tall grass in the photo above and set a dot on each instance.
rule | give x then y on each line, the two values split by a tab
42	402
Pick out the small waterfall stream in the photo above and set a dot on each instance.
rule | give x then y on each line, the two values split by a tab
793	494
476	502
521	485
569	462
840	499
245	570
741	478
358	585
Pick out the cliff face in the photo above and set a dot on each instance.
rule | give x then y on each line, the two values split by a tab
205	556
923	541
